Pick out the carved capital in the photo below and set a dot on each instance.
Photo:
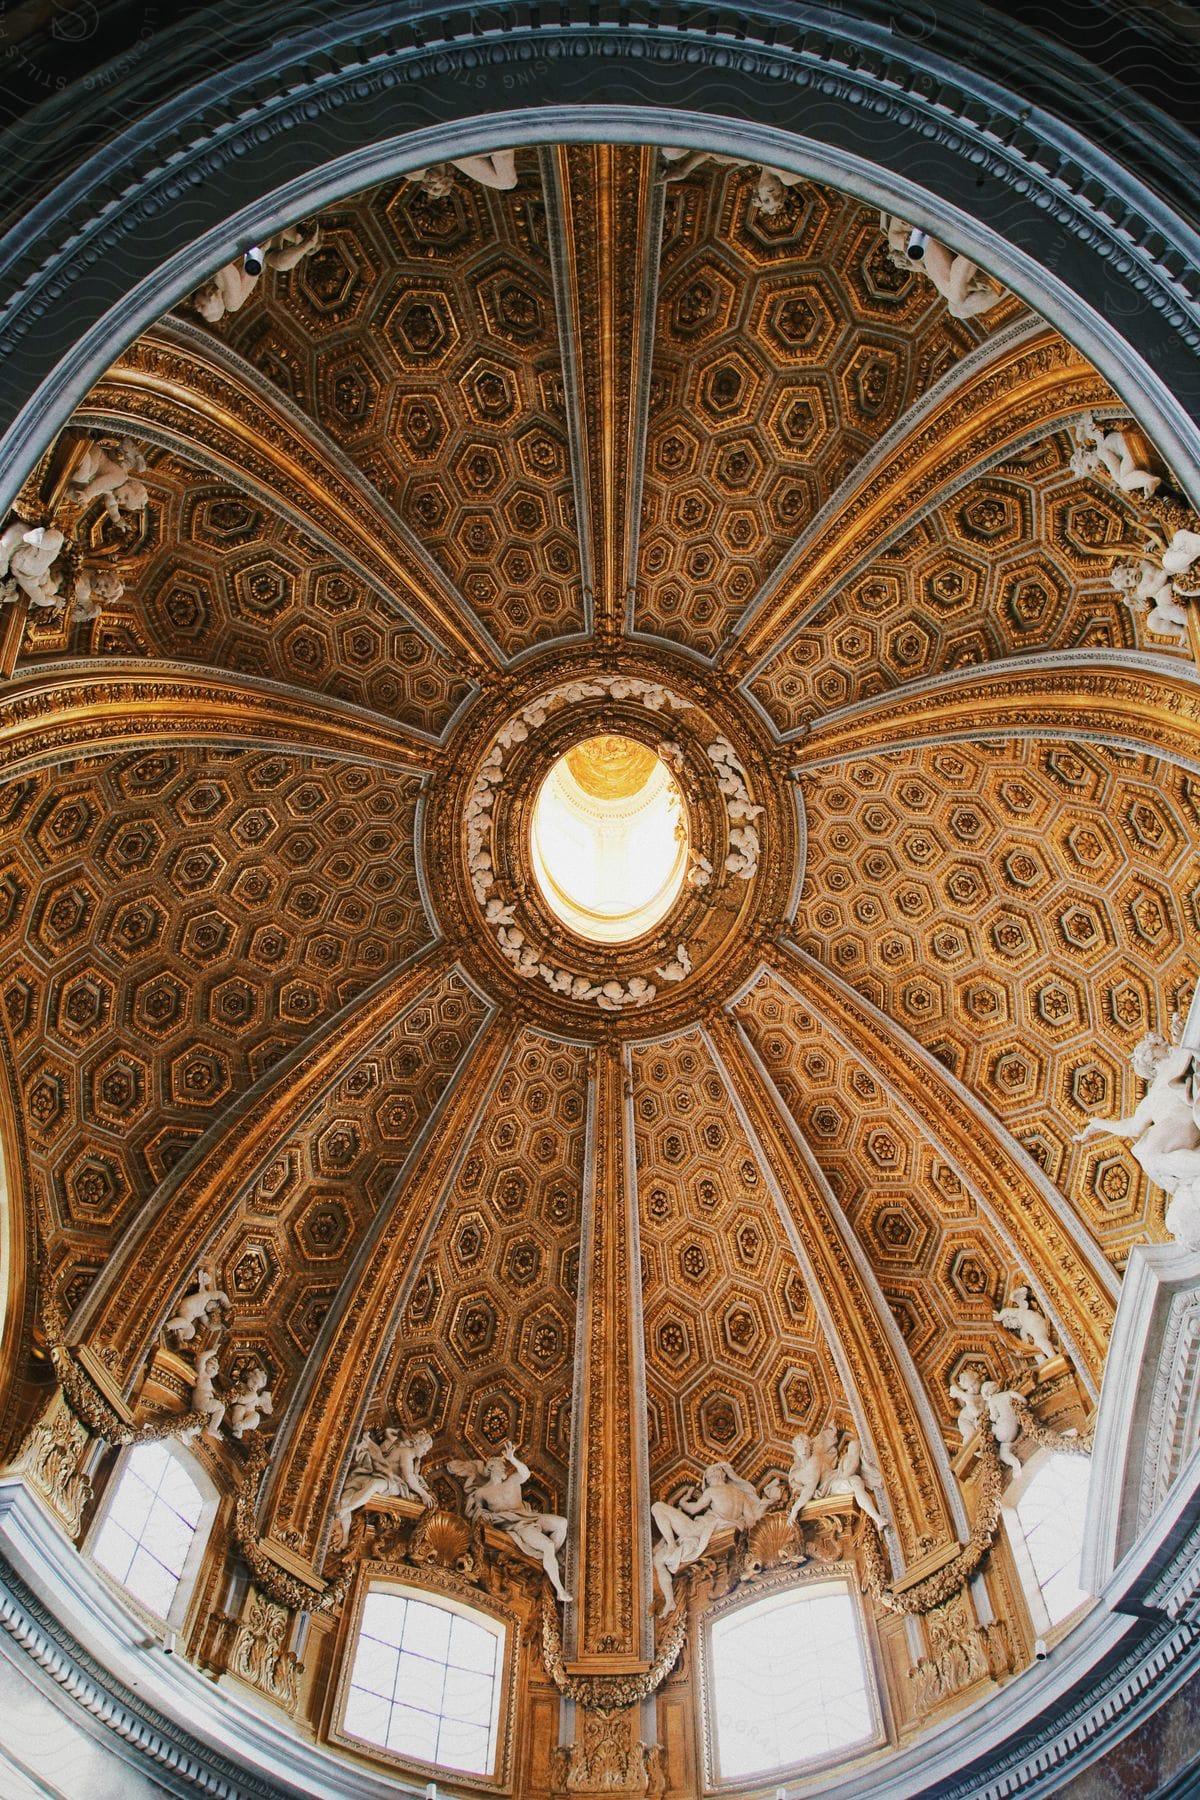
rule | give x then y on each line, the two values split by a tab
253	1649
49	1460
607	1758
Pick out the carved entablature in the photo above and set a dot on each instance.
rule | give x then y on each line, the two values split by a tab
826	1533
1146	1459
255	1649
453	1553
49	1459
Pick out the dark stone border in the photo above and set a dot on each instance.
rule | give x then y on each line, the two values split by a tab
204	162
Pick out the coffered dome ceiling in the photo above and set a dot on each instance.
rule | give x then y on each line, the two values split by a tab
484	476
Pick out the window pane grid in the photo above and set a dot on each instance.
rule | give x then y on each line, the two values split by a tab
148	1531
425	1683
1051	1514
789	1683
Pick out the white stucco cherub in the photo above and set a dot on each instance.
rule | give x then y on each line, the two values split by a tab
1105	451
205	1398
811	1467
770	189
92	590
493	1488
966	1392
1163	1128
249	1402
1006	1427
496	169
28	554
229	289
1029	1324
967	291
110	472
853	1473
1180	555
1147	588
206	1303
679	966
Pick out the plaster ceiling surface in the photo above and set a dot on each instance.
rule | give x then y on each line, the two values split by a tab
596	429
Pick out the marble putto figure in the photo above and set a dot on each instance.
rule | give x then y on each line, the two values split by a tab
384	1468
494	1497
726	1499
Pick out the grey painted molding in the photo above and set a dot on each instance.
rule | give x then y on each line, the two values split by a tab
90	1653
203	163
1145	1491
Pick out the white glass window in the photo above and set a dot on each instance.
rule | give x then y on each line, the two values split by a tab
788	1681
426	1682
1050	1512
149	1528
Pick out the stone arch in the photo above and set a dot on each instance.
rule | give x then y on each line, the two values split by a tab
297	126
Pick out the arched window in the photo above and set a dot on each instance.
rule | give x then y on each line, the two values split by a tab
426	1681
1045	1511
152	1527
788	1682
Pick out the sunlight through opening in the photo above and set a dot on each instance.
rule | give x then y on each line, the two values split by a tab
609	839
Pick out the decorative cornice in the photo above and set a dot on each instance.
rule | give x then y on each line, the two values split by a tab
1133	701
108	704
865	93
1097	1686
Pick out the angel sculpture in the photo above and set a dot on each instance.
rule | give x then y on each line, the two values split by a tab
770	196
726	1499
230	288
1030	1325
248	1401
498	169
204	1392
1099	451
832	1463
1148	589
27	556
966	1393
494	1497
679	966
110	472
1001	1406
854	1473
965	288
744	847
205	1304
700	870
93	590
384	1469
1163	1127
770	193
1182	551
